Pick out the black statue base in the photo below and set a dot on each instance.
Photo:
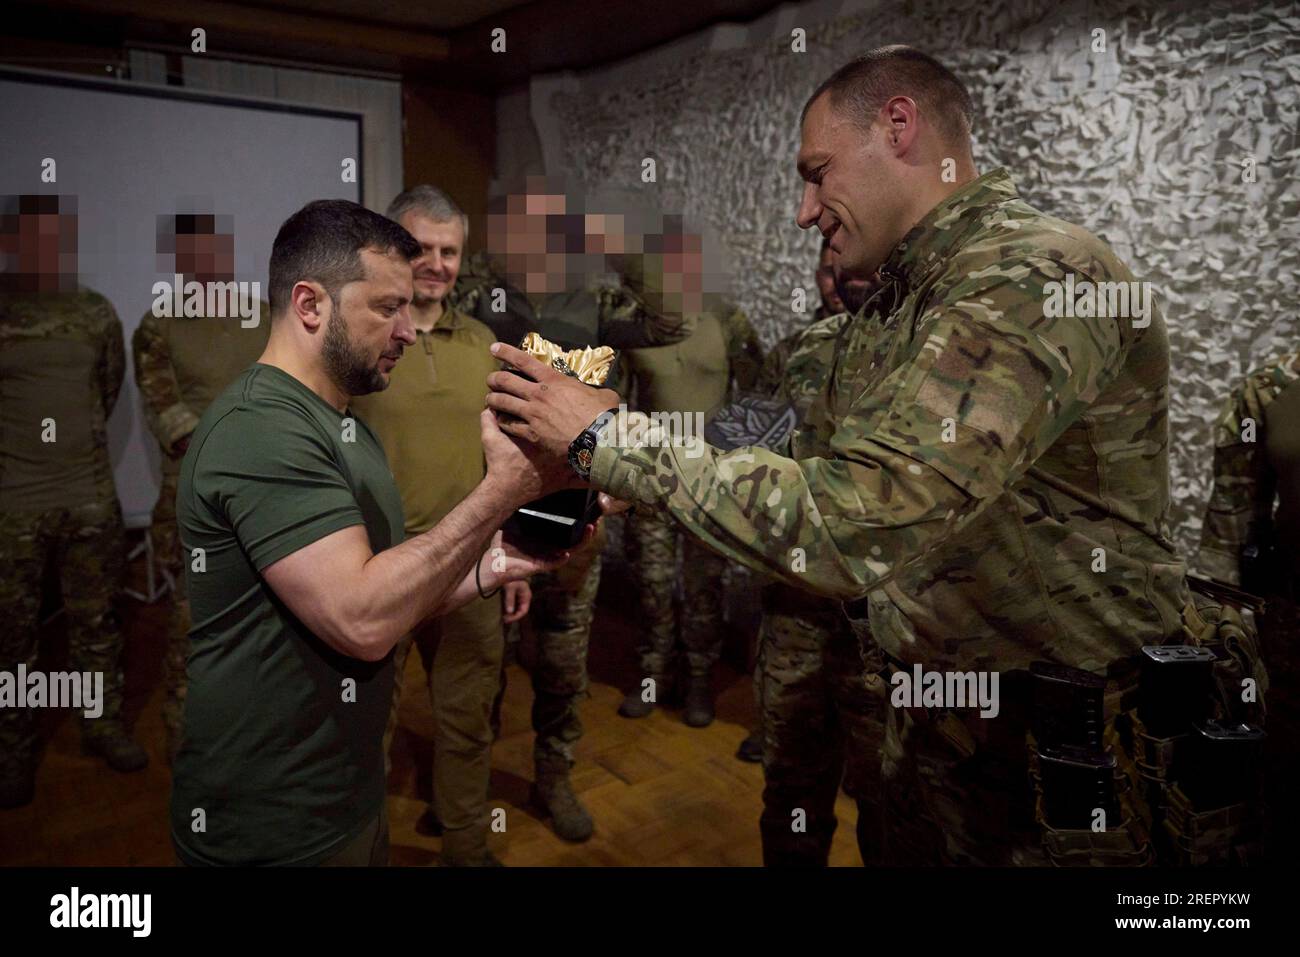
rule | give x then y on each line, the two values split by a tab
554	523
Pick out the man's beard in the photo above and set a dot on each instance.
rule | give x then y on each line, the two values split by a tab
854	293
345	364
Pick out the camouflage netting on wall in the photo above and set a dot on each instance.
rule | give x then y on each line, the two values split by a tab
1149	142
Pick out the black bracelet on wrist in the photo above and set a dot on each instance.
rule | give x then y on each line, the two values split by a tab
478	582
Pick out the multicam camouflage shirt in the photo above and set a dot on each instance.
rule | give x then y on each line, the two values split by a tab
994	480
774	363
183	363
1240	510
62	361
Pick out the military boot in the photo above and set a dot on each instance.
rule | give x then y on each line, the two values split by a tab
635	704
553	793
751	749
429	823
467	847
115	746
697	701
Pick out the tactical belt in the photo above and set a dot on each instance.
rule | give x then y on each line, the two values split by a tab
1149	815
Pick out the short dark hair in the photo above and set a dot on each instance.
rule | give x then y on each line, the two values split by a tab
862	86
323	242
194	224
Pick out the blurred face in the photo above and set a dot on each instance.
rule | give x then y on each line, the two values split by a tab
528	241
851	192
369	325
207	257
441	248
683	270
40	251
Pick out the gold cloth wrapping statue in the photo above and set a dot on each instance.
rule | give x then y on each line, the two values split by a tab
586	365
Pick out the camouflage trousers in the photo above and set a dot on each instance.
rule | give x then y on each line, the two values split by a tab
86	547
652	540
821	710
461	653
564	604
167	551
957	787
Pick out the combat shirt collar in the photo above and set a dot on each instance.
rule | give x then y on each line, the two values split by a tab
945	227
450	320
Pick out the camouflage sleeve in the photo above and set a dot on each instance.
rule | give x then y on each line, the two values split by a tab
744	351
773	371
986	386
112	367
1241	499
638	313
169	418
476	275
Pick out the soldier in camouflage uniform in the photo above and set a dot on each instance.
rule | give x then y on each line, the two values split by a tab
515	292
61	368
820	693
769	380
182	363
971	453
1248	539
692	377
839	295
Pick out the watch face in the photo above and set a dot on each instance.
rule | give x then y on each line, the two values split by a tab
584	459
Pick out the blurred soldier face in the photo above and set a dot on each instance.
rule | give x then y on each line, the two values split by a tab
850	191
441	245
683	269
39	248
528	239
206	256
369	325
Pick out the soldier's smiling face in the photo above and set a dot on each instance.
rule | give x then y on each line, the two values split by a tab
849	191
441	247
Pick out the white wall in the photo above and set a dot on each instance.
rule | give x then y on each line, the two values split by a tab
130	153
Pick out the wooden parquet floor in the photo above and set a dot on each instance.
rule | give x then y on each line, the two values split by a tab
662	794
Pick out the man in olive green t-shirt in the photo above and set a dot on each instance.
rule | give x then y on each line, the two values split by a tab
300	581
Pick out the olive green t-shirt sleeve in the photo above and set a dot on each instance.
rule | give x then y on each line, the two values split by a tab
273	477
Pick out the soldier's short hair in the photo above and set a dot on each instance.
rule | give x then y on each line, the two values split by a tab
323	242
428	201
862	86
194	224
